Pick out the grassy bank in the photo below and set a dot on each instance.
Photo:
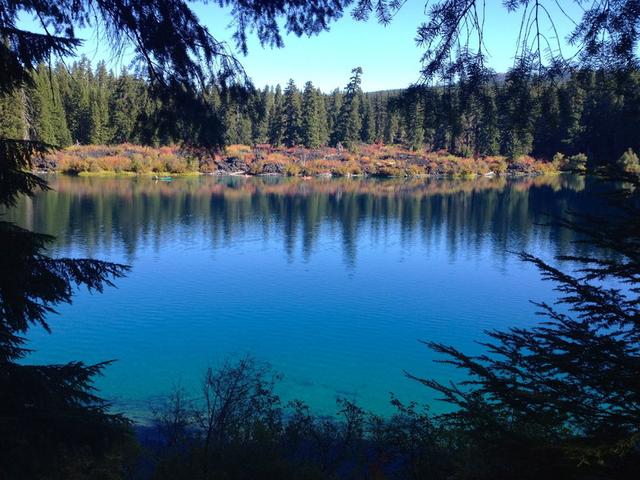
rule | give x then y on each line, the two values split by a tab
366	160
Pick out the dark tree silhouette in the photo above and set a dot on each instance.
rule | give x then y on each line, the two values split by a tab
563	398
566	393
604	34
181	58
50	417
52	423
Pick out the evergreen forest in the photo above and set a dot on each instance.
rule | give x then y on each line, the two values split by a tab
559	398
594	112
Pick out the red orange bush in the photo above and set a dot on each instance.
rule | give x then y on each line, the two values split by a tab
371	160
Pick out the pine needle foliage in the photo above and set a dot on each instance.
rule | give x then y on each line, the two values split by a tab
563	397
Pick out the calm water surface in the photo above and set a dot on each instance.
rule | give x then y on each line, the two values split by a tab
333	282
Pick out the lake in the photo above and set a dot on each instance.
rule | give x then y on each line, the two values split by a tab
332	281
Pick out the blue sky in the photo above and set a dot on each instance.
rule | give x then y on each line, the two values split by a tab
388	55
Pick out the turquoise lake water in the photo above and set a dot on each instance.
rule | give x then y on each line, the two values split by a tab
333	282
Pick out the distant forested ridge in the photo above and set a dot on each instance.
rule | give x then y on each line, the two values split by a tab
592	112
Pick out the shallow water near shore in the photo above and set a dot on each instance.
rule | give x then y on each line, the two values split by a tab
333	282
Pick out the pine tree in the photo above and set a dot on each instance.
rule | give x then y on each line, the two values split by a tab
41	106
291	115
349	123
416	129
441	130
392	131
236	121
323	126
262	115
451	117
276	122
547	139
368	132
13	121
430	117
238	125
334	104
77	101
380	118
125	107
99	106
559	398
601	116
488	130
310	131
518	114
469	117
48	120
52	420
629	115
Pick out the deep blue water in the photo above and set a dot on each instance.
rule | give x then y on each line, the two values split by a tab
333	282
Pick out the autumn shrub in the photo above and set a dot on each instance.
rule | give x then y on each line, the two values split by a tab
347	169
207	164
74	165
372	160
166	150
432	167
465	166
238	151
349	157
559	161
544	168
322	167
629	163
481	167
416	170
112	163
278	158
523	165
140	164
388	170
449	165
292	170
368	151
255	168
497	164
155	163
175	164
577	163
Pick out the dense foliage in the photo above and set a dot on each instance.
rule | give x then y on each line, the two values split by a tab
52	424
374	160
537	404
595	113
242	429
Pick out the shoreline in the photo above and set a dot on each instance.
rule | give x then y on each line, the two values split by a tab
362	161
164	175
